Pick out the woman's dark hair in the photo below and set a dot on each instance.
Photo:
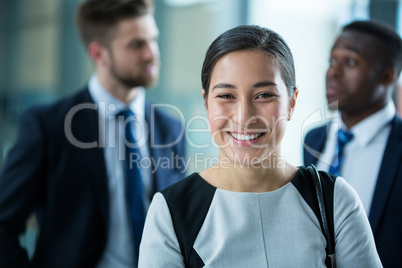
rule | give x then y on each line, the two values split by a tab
96	19
250	37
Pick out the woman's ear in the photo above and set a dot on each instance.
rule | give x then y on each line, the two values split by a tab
205	99
292	103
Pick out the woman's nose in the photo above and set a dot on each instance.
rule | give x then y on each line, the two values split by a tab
245	114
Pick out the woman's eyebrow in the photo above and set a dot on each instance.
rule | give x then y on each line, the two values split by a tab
256	85
265	84
224	85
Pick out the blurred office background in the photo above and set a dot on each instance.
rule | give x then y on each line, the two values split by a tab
42	58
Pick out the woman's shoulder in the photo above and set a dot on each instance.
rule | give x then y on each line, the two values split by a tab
335	188
188	187
345	195
303	178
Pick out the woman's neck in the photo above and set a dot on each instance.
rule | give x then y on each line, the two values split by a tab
246	178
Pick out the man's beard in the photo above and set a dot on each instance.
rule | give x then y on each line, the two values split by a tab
131	81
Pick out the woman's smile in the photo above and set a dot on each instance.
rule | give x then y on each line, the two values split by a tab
247	139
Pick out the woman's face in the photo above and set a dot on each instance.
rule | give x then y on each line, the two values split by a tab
248	106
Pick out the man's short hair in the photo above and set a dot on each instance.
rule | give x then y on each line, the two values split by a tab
96	18
391	43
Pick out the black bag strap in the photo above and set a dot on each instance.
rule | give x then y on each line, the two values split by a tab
330	261
307	187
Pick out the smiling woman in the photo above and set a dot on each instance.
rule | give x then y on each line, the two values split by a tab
247	210
248	107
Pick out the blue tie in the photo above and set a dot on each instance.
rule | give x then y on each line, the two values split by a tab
343	138
134	193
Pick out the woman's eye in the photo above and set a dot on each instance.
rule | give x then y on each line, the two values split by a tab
225	96
264	95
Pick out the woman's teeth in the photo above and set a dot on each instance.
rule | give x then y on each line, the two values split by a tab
243	137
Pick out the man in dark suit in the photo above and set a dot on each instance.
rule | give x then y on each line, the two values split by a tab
71	163
365	63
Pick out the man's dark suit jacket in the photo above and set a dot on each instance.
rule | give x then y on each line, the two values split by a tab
385	215
67	185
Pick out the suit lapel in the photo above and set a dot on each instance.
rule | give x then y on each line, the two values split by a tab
157	151
152	150
314	145
85	126
387	174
